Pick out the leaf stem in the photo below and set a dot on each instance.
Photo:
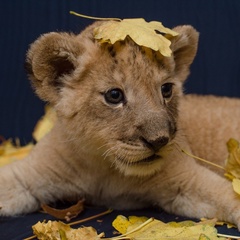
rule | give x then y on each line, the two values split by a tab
124	236
91	218
203	160
228	236
30	238
95	18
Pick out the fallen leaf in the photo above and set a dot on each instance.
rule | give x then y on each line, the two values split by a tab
53	230
215	222
67	213
45	124
186	223
158	230
10	152
233	160
148	34
229	225
229	176
212	222
236	185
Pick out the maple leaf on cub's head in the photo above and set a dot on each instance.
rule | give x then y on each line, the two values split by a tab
148	34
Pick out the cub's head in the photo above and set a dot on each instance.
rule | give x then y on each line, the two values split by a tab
115	103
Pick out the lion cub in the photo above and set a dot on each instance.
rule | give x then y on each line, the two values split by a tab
122	122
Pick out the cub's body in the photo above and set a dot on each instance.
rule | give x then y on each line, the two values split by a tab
209	122
122	122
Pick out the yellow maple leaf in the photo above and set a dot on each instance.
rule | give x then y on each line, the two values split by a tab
157	230
147	34
215	222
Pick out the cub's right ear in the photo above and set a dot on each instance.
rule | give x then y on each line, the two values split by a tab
184	47
49	60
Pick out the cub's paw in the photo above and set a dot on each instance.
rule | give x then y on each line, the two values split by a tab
238	222
18	204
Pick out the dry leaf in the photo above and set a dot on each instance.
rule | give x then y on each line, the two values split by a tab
229	225
158	230
214	222
233	160
147	34
53	230
10	152
233	164
67	213
45	124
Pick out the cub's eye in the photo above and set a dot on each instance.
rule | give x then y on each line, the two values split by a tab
167	90
114	96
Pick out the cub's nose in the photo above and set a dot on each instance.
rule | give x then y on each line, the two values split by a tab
157	143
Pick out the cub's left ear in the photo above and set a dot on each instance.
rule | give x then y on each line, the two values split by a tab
50	60
184	47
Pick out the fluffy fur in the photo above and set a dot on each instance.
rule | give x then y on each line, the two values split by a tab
122	121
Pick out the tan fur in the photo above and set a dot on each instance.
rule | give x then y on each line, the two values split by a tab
127	154
213	120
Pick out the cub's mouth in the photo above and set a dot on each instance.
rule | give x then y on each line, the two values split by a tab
140	166
147	160
143	161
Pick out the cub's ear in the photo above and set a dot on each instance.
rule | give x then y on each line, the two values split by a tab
184	47
49	60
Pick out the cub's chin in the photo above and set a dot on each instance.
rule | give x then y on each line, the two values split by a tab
141	168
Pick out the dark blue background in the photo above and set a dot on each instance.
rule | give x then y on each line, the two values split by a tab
216	69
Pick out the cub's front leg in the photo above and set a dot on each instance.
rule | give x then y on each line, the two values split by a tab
188	189
15	191
42	177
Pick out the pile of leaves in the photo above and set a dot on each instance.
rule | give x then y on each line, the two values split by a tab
135	228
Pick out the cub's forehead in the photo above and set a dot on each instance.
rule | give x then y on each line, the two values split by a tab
122	61
127	59
139	62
